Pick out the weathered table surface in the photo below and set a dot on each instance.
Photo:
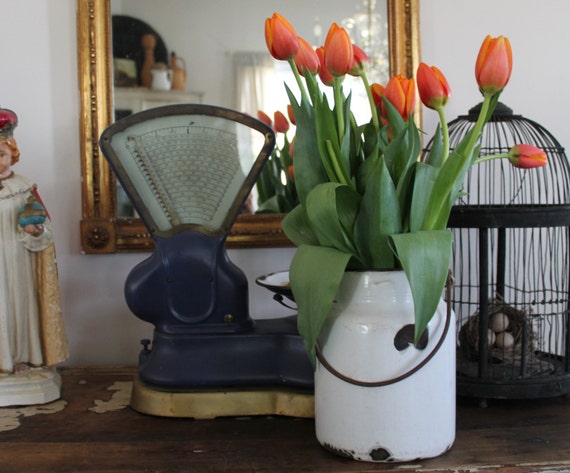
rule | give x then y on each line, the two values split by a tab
94	430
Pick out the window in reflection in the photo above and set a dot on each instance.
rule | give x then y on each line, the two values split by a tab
261	86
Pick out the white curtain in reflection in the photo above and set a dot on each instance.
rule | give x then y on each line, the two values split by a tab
260	85
255	76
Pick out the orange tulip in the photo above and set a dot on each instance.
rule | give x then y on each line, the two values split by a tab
262	116
401	93
291	172
494	64
281	38
527	156
326	77
359	59
306	59
281	123
377	93
338	51
433	86
290	114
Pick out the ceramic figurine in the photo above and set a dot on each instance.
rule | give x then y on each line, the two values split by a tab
32	335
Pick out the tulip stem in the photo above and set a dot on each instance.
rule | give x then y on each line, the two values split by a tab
481	120
338	105
300	84
373	109
443	195
444	132
489	157
338	174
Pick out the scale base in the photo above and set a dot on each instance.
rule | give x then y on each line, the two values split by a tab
204	404
270	354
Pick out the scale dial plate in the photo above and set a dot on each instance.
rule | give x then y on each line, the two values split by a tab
188	166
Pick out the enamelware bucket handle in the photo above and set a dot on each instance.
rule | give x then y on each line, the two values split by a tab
407	374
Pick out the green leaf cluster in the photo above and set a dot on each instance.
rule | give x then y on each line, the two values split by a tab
369	200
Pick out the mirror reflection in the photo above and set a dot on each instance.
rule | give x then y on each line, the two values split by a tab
212	53
165	53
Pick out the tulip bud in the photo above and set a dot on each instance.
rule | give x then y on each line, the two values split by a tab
359	60
262	116
281	123
527	156
290	114
433	86
377	93
291	172
494	64
338	51
326	77
400	92
306	58
281	38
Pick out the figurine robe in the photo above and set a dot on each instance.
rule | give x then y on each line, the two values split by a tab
31	322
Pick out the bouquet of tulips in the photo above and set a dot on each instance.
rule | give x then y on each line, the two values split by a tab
276	183
369	199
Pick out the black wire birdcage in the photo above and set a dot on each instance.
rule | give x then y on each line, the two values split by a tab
511	265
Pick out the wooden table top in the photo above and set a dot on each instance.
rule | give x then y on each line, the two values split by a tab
91	429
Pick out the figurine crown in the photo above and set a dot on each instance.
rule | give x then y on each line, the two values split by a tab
8	121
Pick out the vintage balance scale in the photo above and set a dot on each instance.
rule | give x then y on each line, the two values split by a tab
188	169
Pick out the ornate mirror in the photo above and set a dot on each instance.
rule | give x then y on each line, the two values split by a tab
102	230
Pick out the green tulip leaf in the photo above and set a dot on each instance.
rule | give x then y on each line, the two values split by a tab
331	209
448	184
315	275
424	180
407	152
379	217
309	170
297	227
270	205
327	139
436	151
397	123
425	257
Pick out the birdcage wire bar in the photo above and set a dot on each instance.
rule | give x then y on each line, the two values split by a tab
511	232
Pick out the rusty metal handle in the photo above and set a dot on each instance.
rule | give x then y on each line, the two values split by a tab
407	374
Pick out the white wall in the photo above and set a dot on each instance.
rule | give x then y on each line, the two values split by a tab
39	82
452	32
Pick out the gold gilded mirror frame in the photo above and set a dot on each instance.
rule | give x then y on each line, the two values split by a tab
101	230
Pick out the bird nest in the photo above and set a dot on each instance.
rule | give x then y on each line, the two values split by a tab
509	334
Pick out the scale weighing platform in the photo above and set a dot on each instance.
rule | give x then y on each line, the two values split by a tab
188	170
